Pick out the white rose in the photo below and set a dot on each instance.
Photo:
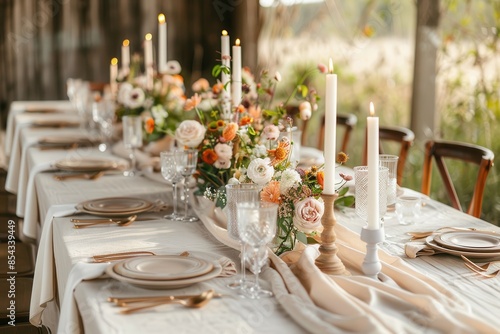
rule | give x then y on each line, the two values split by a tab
190	133
271	132
124	92
222	164
260	171
307	214
223	151
289	178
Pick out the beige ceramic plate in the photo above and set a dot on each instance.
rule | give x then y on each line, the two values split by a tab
471	241
86	165
117	204
164	267
163	284
431	243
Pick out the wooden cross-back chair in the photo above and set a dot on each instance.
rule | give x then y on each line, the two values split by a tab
440	149
397	134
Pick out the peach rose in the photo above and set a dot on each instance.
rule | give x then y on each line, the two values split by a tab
190	133
230	131
307	214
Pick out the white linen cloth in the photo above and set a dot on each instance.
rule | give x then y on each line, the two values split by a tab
44	283
358	303
18	107
26	198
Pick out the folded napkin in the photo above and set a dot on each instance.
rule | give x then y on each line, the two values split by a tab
414	249
44	280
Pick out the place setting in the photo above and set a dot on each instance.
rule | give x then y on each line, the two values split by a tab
87	168
65	142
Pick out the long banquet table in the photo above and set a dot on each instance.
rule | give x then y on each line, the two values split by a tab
64	252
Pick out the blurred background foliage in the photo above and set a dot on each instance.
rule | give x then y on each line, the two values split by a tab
372	46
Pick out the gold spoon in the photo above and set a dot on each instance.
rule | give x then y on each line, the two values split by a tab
482	273
196	301
98	220
124	222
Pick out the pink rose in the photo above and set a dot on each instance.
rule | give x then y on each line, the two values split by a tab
190	133
224	151
307	214
271	132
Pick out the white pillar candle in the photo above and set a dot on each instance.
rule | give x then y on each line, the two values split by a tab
225	77
126	56
113	74
330	130
148	51
162	44
373	210
236	84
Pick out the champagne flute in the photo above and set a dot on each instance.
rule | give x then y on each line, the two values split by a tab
186	166
132	139
257	227
169	172
236	193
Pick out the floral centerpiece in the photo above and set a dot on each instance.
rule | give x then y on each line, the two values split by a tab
248	149
160	102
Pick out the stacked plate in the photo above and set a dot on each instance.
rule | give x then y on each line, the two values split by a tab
64	141
86	165
115	206
164	271
475	244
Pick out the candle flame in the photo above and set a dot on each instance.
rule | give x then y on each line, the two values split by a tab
114	61
372	109
161	18
224	33
148	37
126	42
330	66
237	42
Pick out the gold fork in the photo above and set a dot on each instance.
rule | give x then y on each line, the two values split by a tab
484	267
482	273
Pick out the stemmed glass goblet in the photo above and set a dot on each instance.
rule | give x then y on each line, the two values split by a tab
132	139
103	114
170	173
186	166
237	193
257	227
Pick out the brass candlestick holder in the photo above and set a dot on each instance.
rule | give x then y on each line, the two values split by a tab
328	261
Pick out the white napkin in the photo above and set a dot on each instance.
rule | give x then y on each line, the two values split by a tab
44	281
414	249
68	319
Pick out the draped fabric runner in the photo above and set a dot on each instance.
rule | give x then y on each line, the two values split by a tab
406	302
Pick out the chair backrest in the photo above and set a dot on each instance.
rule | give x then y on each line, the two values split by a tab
481	156
346	121
397	134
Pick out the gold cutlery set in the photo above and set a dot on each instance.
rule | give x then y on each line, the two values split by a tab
481	270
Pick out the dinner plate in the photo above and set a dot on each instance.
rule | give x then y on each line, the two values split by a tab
164	267
64	140
431	243
472	241
54	124
86	165
163	284
117	204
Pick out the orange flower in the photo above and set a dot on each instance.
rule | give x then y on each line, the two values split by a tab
217	88
240	109
255	112
150	125
230	131
280	153
245	120
220	123
271	192
321	178
192	102
209	156
342	158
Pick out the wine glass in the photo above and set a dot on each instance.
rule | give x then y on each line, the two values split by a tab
237	193
103	114
186	166
132	139
170	173
257	227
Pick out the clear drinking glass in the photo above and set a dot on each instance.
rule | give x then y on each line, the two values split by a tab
361	191
238	193
103	114
186	166
132	139
391	162
257	227
170	173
